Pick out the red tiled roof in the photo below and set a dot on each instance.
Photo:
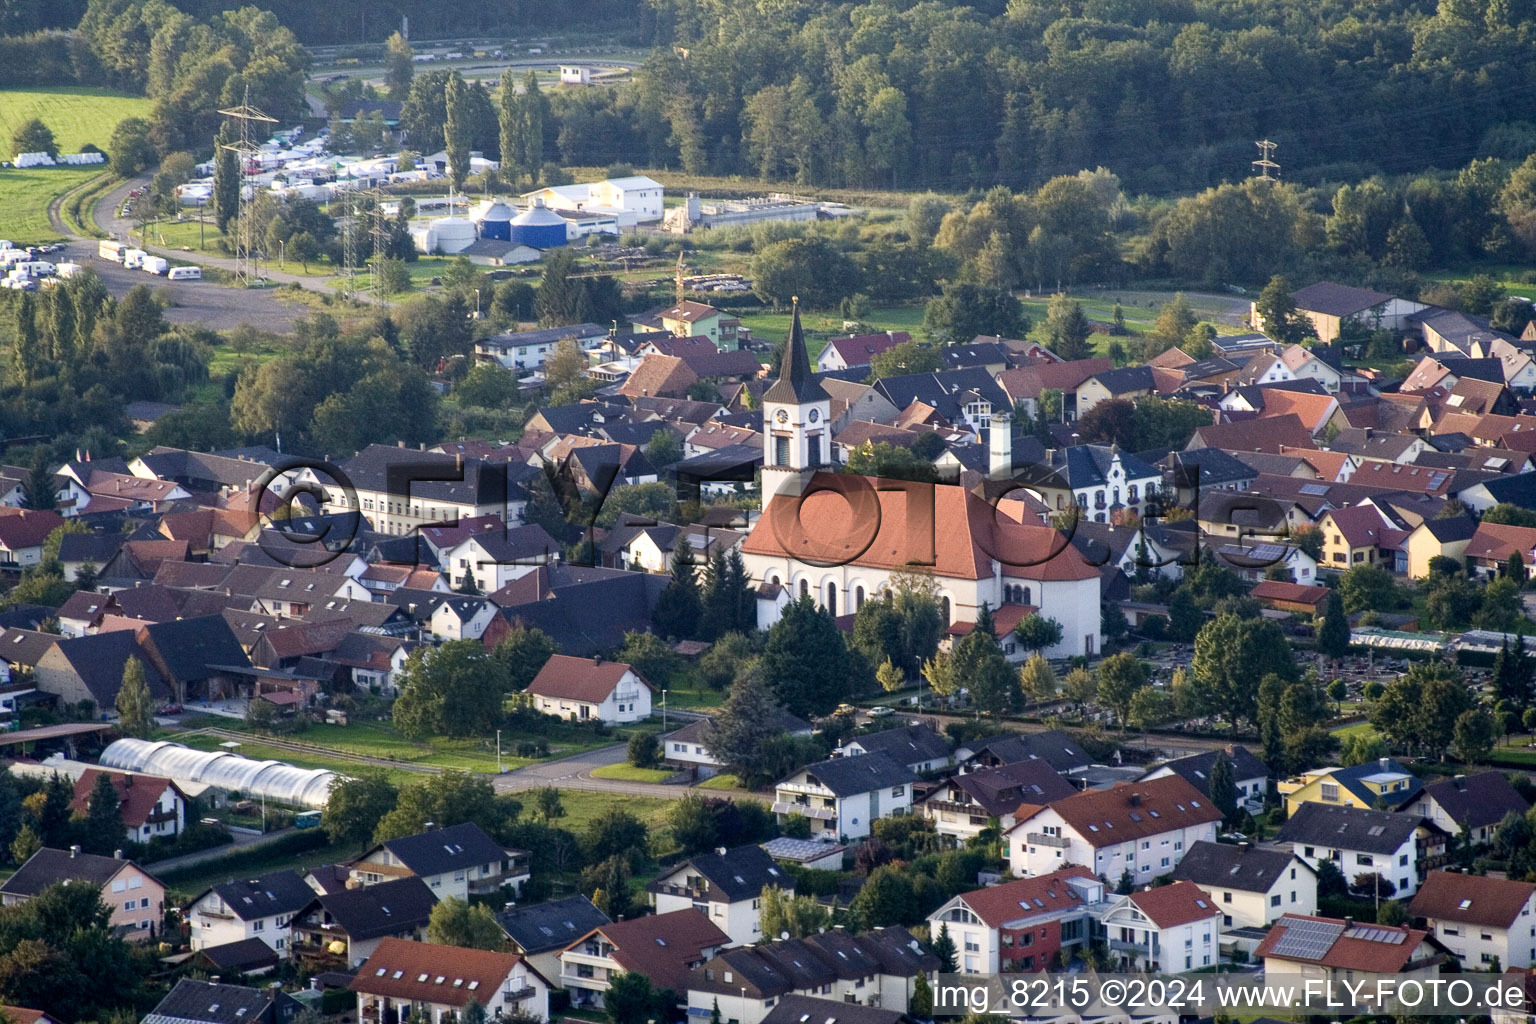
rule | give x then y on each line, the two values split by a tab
138	794
1130	810
859	349
1349	953
663	947
1472	899
1029	381
1255	435
1314	411
832	523
26	528
1176	904
1497	541
1295	593
453	974
688	311
583	679
998	905
657	375
1360	525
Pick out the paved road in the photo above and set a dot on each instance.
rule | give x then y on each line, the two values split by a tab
243	841
575	772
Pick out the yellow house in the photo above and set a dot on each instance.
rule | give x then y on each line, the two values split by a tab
690	319
1354	536
1432	537
1382	784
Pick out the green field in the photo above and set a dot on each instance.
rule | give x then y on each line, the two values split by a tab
1506	274
722	781
25	195
76	114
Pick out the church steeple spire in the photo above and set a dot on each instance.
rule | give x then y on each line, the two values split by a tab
796	384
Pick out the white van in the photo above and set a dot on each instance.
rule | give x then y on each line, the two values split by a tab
185	274
155	264
133	259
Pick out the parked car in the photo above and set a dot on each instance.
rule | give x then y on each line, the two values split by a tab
880	711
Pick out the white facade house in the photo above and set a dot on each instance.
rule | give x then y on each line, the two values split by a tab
1020	925
460	861
1359	842
259	908
1479	918
635	199
1252	887
726	886
400	491
527	350
1171	928
591	689
1143	828
494	559
434	983
843	796
688	747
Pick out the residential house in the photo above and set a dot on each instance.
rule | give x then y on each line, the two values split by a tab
1455	333
831	970
1053	746
151	807
591	689
1382	784
1436	538
460	860
857	350
1143	827
1253	435
689	319
1358	535
726	886
1095	479
135	898
528	350
1327	305
844	795
1169	928
659	375
1364	842
916	746
688	747
1026	925
1295	598
1249	773
210	1002
1026	384
358	918
1251	886
258	908
22	533
663	947
1301	948
1482	920
399	490
1491	545
962	806
540	932
247	958
1474	803
492	559
1125	382
804	1010
431	983
1307	364
90	668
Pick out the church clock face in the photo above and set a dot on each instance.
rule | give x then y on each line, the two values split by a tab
782	416
815	415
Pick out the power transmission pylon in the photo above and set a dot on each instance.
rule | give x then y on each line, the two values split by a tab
1264	163
245	231
377	195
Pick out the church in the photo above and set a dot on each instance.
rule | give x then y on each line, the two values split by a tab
839	538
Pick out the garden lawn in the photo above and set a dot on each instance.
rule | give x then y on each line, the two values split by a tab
629	773
722	781
76	114
1508	275
582	807
818	327
25	195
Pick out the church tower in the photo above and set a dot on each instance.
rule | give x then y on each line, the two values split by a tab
797	438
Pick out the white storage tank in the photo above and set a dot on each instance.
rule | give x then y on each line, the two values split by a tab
450	235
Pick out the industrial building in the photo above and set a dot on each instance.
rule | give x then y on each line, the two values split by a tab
630	201
696	214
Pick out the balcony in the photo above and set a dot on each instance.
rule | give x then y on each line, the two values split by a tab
796	807
517	995
1137	948
1042	839
159	817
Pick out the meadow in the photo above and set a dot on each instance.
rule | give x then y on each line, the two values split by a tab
25	195
76	114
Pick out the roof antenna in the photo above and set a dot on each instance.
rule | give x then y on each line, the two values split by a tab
679	277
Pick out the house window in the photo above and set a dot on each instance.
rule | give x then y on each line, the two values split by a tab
1274	900
1330	791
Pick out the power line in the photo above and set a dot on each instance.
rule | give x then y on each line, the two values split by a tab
245	150
1264	163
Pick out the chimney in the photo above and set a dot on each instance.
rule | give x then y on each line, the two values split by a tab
1135	799
597	659
720	851
1349	923
458	461
1000	444
74	851
1461	782
430	826
117	854
1245	846
1384	763
421	446
399	444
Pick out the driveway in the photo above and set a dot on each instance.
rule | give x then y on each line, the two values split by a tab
575	772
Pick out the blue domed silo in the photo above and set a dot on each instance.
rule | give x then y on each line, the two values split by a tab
539	227
496	222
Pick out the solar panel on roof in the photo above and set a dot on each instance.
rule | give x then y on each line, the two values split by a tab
1307	940
1314	489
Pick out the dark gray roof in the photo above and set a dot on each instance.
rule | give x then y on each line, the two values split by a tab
402	471
49	867
204	471
796	383
1053	746
1348	828
95	548
809	1010
99	661
945	391
1126	380
1454	528
209	1003
957	357
1516	488
554	925
1332	299
543	336
1196	768
282	892
1214	466
444	849
1245	868
389	908
588	616
1089	465
243	956
1477	801
194	649
738	874
1001	790
847	776
908	744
